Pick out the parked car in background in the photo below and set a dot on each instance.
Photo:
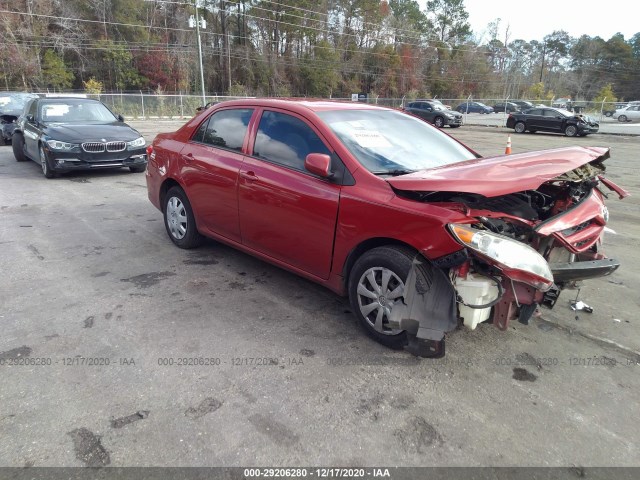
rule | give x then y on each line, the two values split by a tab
562	103
630	113
611	109
434	113
65	134
417	229
522	104
11	106
506	107
552	120
474	107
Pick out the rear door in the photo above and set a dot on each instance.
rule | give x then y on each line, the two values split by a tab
553	120
534	119
286	212
212	160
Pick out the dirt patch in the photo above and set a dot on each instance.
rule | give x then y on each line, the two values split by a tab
147	280
88	448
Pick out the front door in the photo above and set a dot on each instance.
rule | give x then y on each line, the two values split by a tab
286	212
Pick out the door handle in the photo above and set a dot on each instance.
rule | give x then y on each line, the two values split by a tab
188	156
249	176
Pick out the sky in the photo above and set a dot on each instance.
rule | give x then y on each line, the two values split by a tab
532	20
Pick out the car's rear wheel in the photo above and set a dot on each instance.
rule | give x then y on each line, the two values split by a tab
376	283
138	168
608	114
622	118
438	122
47	171
519	127
179	219
571	131
17	143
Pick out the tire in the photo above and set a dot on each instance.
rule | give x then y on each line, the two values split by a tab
3	142
608	114
392	261
179	220
438	122
454	126
571	131
138	168
45	164
17	143
622	118
519	127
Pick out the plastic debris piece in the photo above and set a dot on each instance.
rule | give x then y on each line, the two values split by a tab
581	306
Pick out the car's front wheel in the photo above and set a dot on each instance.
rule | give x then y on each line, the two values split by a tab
376	284
571	131
519	127
17	144
438	122
622	118
179	219
47	171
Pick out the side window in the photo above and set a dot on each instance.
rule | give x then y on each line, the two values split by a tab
33	108
550	113
225	129
535	111
412	105
286	140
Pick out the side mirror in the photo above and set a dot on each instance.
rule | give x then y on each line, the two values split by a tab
318	164
120	118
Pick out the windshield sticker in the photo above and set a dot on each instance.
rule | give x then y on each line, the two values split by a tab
370	139
54	111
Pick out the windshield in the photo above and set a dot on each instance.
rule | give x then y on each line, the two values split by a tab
393	143
65	111
438	107
14	102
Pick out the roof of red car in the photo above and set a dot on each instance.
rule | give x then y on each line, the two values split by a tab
304	103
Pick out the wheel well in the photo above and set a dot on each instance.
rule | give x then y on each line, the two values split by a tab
364	247
164	188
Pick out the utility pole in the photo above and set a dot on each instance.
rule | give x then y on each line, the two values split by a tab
544	51
197	25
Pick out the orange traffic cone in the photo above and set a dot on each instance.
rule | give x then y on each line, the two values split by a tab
508	149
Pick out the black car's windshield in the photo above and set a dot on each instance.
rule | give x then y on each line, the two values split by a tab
75	111
392	143
438	107
14	102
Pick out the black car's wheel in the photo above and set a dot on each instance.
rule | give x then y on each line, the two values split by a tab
519	127
608	114
376	283
454	126
2	140
438	122
622	118
138	169
47	171
17	143
571	131
179	220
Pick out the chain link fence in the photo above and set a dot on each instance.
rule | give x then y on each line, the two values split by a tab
143	106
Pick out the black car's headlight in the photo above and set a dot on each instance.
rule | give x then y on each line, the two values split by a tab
61	146
137	143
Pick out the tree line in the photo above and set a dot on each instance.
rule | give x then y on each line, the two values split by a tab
320	48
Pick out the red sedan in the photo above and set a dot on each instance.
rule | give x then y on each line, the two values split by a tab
418	230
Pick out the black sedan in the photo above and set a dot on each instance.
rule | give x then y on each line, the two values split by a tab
508	107
474	107
11	106
65	134
552	120
434	113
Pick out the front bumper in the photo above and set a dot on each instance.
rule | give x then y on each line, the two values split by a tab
574	271
588	128
67	161
453	121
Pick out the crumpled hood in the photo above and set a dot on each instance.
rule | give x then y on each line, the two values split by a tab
500	175
73	133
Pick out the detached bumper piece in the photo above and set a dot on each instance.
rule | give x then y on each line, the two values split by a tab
428	311
571	272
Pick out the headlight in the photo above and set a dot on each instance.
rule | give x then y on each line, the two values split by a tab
58	145
137	143
507	252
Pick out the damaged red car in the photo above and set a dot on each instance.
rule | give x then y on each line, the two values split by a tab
418	230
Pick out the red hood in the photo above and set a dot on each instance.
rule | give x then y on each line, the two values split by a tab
494	176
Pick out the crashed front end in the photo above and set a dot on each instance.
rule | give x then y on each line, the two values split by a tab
521	248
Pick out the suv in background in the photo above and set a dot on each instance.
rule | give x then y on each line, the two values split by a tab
434	113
